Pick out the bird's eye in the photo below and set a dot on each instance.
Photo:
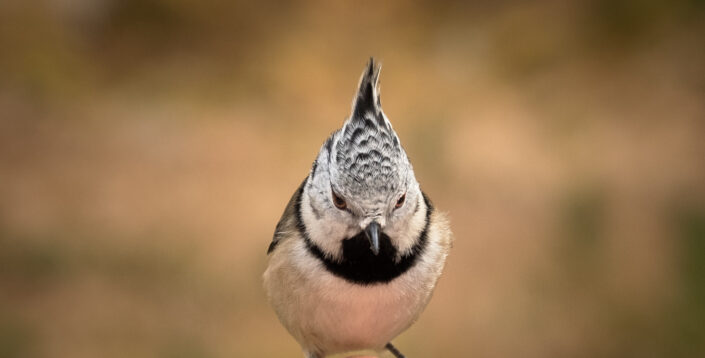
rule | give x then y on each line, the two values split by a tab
400	202
338	201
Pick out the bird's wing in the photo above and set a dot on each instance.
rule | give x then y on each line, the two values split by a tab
287	223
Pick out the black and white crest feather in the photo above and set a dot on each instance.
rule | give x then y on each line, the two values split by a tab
368	153
367	99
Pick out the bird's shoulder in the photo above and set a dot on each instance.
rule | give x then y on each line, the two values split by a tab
288	222
439	224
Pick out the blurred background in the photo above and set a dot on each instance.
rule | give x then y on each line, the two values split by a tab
148	148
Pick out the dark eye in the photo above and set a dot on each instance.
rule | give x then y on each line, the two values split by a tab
338	201
400	202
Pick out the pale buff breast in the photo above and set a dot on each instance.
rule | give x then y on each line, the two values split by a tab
328	314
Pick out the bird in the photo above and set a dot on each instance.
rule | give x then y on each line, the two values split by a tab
358	251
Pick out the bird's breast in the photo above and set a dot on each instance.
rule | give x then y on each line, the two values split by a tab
353	317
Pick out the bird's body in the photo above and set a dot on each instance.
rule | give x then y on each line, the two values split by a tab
351	274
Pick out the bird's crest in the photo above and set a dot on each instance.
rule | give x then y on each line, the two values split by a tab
368	152
367	99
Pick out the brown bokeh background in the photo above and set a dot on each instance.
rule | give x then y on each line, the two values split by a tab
148	147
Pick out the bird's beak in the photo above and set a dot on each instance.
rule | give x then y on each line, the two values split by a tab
372	232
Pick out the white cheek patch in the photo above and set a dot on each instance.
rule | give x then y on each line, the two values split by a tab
325	229
405	231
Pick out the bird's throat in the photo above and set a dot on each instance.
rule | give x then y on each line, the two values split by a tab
358	264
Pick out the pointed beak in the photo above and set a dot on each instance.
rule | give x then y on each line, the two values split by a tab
372	232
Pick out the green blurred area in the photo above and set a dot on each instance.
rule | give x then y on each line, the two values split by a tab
147	149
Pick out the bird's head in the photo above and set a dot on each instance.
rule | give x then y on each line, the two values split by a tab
362	182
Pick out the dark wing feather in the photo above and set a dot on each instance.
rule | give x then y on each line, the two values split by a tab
287	223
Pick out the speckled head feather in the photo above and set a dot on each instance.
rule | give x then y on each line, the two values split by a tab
365	165
369	159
